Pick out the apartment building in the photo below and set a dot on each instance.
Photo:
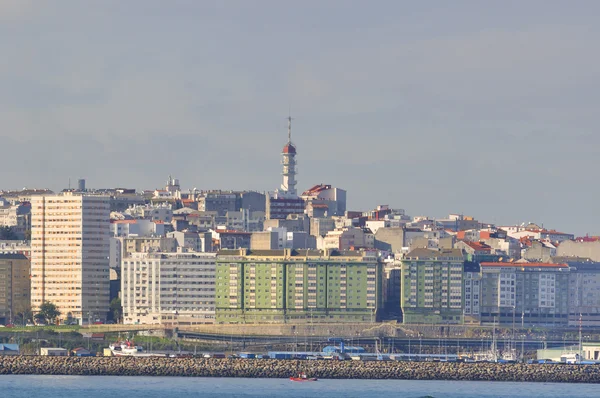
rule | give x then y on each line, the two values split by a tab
432	286
524	293
69	255
168	288
270	286
15	286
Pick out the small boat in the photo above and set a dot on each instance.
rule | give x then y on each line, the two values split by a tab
127	348
302	377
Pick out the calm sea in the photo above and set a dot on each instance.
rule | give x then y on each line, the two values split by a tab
180	387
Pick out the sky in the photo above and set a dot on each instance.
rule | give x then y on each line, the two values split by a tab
487	109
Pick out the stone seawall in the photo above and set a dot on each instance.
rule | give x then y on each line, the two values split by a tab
149	366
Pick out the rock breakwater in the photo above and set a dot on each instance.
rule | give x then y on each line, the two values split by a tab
197	367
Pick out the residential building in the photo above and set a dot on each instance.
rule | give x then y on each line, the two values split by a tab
123	247
232	240
251	201
293	223
175	289
345	239
245	221
477	251
15	286
17	217
265	240
587	248
220	202
584	291
432	286
280	207
271	286
458	222
334	199
159	212
320	226
529	293
541	251
136	227
69	255
193	241
534	232
472	292
16	246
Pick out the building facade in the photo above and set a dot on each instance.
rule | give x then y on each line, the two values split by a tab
432	286
274	286
524	293
15	286
69	255
584	293
168	288
472	292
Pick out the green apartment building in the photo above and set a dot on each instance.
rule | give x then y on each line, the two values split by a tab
432	286
276	286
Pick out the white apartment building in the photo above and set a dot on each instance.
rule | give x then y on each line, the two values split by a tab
69	255
168	288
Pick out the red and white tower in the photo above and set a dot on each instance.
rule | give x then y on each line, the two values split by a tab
288	154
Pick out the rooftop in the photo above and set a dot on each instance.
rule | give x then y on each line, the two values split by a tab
525	265
289	148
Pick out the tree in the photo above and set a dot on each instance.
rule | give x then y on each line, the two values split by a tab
48	312
22	314
116	308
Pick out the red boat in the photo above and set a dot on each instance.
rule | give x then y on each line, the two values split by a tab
302	377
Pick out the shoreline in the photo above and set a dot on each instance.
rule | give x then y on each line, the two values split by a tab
269	368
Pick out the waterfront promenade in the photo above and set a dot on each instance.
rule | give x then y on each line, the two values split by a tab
269	368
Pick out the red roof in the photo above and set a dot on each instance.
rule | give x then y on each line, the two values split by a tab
289	148
316	189
320	206
525	241
478	246
587	239
525	265
123	221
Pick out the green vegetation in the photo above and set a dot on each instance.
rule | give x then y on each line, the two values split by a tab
48	313
116	309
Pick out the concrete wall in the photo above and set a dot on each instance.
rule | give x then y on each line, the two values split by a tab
267	240
570	248
389	239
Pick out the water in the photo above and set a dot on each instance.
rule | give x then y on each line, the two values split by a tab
16	386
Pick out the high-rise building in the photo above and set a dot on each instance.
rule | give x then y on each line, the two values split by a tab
525	293
271	286
168	288
69	255
432	286
15	286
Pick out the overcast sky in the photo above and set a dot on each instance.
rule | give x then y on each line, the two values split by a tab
484	108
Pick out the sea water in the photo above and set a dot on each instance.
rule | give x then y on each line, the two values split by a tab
26	386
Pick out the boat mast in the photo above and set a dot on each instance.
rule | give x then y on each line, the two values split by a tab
580	340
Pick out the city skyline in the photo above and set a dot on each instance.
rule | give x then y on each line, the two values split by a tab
480	109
